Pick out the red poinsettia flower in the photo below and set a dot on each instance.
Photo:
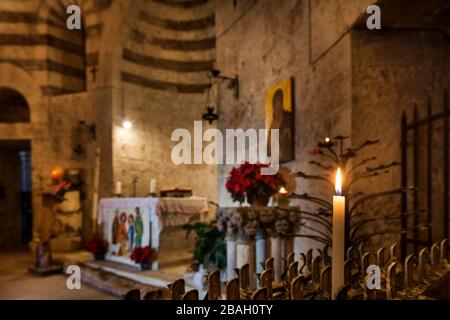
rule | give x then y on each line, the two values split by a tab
96	245
143	255
247	181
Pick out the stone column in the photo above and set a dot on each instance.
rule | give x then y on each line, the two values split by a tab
231	257
242	253
260	251
246	254
283	241
251	262
276	254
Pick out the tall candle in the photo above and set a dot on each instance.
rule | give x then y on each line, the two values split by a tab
152	186
337	264
118	188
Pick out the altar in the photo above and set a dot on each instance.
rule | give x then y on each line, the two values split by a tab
129	223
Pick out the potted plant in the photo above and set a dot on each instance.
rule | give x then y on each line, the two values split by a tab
209	250
144	257
247	182
98	247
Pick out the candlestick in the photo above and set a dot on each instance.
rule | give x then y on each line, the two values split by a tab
118	190
337	263
152	186
283	197
134	187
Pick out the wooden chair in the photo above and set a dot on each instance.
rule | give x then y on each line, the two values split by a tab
232	289
214	292
190	295
266	282
260	294
297	288
269	264
292	271
177	289
154	295
134	294
244	277
342	293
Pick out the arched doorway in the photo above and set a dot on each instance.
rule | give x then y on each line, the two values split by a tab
15	174
13	106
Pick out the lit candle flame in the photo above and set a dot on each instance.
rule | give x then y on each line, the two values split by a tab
282	190
327	139
55	174
338	184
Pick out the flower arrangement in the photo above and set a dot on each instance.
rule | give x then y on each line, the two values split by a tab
247	182
62	187
97	246
144	256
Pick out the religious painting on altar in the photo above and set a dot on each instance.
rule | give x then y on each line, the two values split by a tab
127	228
280	115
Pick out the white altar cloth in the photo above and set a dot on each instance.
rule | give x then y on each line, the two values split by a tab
138	222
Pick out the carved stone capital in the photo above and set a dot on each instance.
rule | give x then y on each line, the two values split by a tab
245	222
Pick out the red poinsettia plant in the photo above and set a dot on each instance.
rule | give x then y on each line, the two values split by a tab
247	182
145	255
97	246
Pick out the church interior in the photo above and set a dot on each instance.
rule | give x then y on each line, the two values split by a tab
224	149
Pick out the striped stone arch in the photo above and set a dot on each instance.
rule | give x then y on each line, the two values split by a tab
66	49
16	78
163	45
60	59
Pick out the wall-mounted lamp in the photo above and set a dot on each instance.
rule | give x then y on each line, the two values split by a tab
127	125
233	83
210	115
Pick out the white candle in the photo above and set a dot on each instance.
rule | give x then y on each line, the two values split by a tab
337	262
283	200
118	188
152	186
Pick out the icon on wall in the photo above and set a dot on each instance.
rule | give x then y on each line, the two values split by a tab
280	115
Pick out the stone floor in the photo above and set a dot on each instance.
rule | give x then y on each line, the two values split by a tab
17	283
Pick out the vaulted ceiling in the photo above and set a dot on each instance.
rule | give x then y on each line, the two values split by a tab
169	45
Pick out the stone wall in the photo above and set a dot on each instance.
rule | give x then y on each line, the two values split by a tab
34	36
53	131
152	71
161	77
392	71
270	43
345	82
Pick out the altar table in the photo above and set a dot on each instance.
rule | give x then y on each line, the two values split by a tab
129	223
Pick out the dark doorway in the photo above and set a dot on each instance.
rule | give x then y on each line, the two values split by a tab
13	106
15	193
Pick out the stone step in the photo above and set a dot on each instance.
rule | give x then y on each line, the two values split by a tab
135	278
117	278
173	259
113	284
